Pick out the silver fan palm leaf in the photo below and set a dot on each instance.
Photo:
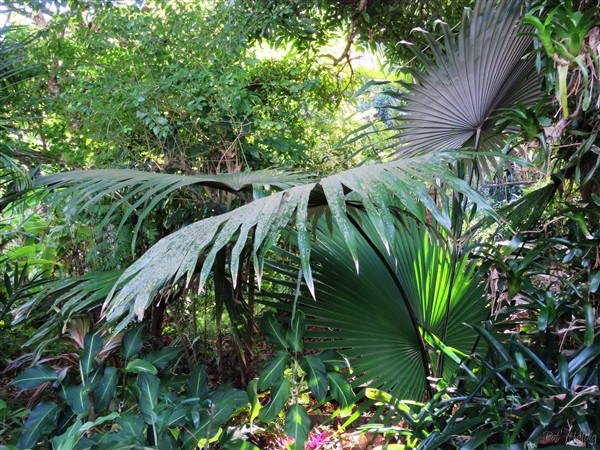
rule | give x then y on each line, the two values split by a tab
467	79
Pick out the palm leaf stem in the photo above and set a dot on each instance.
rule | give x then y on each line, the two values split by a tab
413	317
462	200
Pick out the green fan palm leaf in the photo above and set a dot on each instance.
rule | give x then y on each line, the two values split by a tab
382	319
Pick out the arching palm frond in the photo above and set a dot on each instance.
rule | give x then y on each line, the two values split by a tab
98	183
141	192
467	80
13	70
387	319
66	299
372	188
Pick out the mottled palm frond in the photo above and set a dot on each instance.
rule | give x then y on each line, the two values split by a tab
370	188
141	192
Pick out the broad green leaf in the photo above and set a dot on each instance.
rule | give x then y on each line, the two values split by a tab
94	378
166	441
316	376
78	399
148	396
297	425
273	370
214	438
333	360
223	402
139	366
274	331
197	385
132	342
296	331
177	417
590	322
340	389
105	391
253	398
131	424
92	345
69	438
34	377
280	394
239	444
161	358
543	318
43	415
72	438
594	281
99	421
546	411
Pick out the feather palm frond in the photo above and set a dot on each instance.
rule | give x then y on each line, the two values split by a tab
372	188
141	192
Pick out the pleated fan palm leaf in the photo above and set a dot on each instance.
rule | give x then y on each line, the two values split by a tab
468	79
381	319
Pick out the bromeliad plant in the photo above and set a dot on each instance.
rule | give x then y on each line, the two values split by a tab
142	403
562	32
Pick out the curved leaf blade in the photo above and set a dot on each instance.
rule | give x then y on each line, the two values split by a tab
197	385
132	342
341	390
78	399
280	394
273	330
140	366
43	414
316	376
297	425
34	377
148	396
295	332
272	373
92	345
104	393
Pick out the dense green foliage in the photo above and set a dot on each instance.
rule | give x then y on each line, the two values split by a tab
433	283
